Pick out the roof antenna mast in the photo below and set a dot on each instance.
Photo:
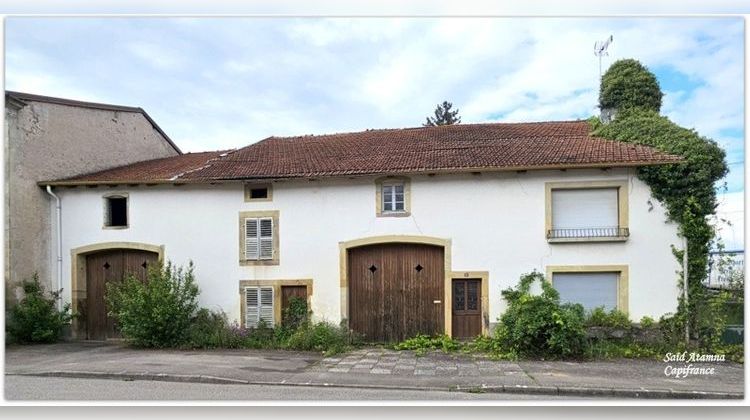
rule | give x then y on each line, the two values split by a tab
600	50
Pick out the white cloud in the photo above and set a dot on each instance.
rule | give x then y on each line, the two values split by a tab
731	225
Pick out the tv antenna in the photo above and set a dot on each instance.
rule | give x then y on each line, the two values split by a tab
600	50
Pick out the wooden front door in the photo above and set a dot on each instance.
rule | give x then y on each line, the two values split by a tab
467	308
105	267
396	291
289	292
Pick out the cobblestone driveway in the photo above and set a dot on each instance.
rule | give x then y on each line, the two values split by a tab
381	361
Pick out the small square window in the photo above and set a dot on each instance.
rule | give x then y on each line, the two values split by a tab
258	193
116	211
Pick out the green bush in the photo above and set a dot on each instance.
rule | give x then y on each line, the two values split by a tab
36	319
422	343
158	312
321	336
599	317
209	329
538	325
295	314
647	322
629	84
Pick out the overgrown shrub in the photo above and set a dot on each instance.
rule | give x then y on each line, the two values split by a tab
158	312
629	84
295	314
36	319
647	322
615	318
422	343
321	336
211	329
538	325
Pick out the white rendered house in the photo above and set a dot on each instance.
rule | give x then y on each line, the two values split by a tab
395	231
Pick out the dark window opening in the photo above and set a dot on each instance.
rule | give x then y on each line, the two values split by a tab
256	193
117	211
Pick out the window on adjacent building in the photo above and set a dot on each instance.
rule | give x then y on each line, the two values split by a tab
259	238
592	289
116	211
585	213
258	306
393	197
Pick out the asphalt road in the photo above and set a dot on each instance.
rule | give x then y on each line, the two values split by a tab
47	388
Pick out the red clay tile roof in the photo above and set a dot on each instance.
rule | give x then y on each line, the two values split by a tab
456	148
155	170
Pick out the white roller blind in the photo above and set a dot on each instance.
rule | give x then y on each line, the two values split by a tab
584	208
589	289
258	306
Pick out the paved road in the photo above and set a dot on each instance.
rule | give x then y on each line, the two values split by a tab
38	388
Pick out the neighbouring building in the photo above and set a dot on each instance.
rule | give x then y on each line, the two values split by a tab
395	231
50	138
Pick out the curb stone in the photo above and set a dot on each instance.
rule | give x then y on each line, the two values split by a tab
603	392
510	389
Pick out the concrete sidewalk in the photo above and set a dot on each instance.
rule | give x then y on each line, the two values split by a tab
375	368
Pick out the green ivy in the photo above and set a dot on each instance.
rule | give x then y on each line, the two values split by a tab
629	84
686	189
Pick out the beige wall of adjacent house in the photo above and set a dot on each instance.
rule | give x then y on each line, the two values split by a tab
49	141
494	222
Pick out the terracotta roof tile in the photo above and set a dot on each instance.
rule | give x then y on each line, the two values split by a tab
464	147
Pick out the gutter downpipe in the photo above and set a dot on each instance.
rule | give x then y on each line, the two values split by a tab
58	209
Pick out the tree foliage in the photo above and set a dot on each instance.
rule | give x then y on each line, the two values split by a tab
158	312
629	84
687	190
443	116
36	319
538	325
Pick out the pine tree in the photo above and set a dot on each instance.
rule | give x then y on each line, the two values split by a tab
443	116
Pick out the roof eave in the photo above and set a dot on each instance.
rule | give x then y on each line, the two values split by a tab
601	165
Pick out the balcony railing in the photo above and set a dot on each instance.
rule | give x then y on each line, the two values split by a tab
588	233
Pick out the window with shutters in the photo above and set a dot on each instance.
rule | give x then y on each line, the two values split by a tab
259	238
393	196
259	303
587	211
592	286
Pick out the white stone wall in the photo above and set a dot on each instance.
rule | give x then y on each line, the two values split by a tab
494	220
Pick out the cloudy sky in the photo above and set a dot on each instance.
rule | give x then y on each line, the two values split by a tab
227	82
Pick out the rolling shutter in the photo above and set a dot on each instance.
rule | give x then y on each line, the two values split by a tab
585	208
258	306
589	289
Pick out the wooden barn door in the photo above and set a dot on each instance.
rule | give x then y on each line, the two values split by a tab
105	267
396	291
467	308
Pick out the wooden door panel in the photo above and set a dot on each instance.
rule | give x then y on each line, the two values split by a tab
103	268
466	307
392	289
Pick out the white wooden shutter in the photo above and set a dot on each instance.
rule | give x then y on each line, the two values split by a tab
252	239
266	239
252	307
584	208
589	289
266	305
